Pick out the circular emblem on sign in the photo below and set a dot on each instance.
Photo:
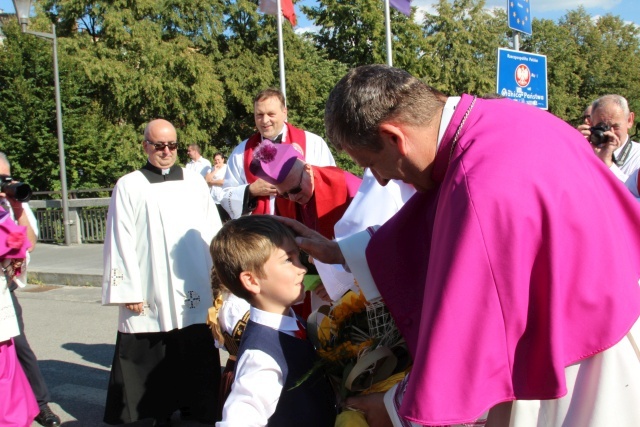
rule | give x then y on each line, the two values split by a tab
192	300
523	75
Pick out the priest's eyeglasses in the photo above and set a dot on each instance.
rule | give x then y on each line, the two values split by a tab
294	190
160	146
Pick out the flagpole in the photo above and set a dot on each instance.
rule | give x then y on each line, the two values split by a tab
387	18
283	86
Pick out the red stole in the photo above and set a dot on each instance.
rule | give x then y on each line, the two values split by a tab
331	199
294	135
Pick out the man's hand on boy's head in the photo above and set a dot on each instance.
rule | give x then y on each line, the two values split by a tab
314	243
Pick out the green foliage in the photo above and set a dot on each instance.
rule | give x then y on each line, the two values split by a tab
350	32
199	63
28	125
354	33
564	65
462	43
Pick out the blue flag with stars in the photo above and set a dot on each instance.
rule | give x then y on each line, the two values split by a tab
520	15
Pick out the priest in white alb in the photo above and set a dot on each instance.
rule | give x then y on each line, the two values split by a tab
156	270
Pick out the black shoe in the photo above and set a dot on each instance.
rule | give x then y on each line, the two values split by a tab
47	418
185	414
166	422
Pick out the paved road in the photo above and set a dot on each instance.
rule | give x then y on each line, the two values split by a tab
77	265
73	337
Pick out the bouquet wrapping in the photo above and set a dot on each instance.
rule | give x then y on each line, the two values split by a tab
359	345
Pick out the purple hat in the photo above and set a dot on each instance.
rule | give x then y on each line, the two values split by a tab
13	238
273	162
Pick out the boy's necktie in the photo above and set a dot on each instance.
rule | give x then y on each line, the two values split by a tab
301	332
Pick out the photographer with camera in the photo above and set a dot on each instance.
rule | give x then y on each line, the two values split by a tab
13	198
608	134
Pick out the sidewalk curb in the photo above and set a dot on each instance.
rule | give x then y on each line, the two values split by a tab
66	279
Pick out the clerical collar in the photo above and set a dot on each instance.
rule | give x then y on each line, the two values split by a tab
447	114
281	136
155	175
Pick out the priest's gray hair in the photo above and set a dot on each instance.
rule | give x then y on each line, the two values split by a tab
617	100
374	94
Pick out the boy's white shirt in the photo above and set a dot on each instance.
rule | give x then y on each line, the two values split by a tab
256	389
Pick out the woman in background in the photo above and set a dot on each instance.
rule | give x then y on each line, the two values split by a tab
215	179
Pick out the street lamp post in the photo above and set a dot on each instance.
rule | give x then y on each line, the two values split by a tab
23	8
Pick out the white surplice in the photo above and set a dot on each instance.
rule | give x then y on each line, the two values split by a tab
157	251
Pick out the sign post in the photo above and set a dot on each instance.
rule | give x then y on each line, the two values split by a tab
519	12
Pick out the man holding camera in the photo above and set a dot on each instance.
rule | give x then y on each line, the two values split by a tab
609	135
22	215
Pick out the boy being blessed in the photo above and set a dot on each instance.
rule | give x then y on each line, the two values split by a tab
257	259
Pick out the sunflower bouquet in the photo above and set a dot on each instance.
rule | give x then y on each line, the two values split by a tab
359	345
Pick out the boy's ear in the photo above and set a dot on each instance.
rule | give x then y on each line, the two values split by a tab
250	282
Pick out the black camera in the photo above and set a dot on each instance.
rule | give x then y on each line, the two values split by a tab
16	190
597	136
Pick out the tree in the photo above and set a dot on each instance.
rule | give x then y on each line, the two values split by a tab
199	64
611	50
354	33
29	130
462	43
586	59
563	66
249	62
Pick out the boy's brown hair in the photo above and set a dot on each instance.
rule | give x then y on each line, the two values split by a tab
244	244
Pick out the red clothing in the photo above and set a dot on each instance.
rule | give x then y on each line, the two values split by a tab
294	136
333	191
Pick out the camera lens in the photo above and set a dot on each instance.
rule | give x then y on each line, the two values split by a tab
18	190
597	136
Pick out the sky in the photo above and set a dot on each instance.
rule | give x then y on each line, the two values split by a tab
628	10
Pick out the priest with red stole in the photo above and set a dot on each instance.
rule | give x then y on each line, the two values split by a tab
242	191
512	274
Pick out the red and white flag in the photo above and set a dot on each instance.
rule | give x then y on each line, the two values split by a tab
271	8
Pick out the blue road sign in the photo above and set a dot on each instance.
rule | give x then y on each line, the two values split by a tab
522	77
519	15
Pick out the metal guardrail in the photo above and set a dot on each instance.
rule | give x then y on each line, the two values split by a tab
73	194
50	225
93	224
87	218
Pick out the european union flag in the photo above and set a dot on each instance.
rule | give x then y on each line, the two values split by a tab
520	15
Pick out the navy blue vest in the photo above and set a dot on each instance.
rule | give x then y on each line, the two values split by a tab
312	403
